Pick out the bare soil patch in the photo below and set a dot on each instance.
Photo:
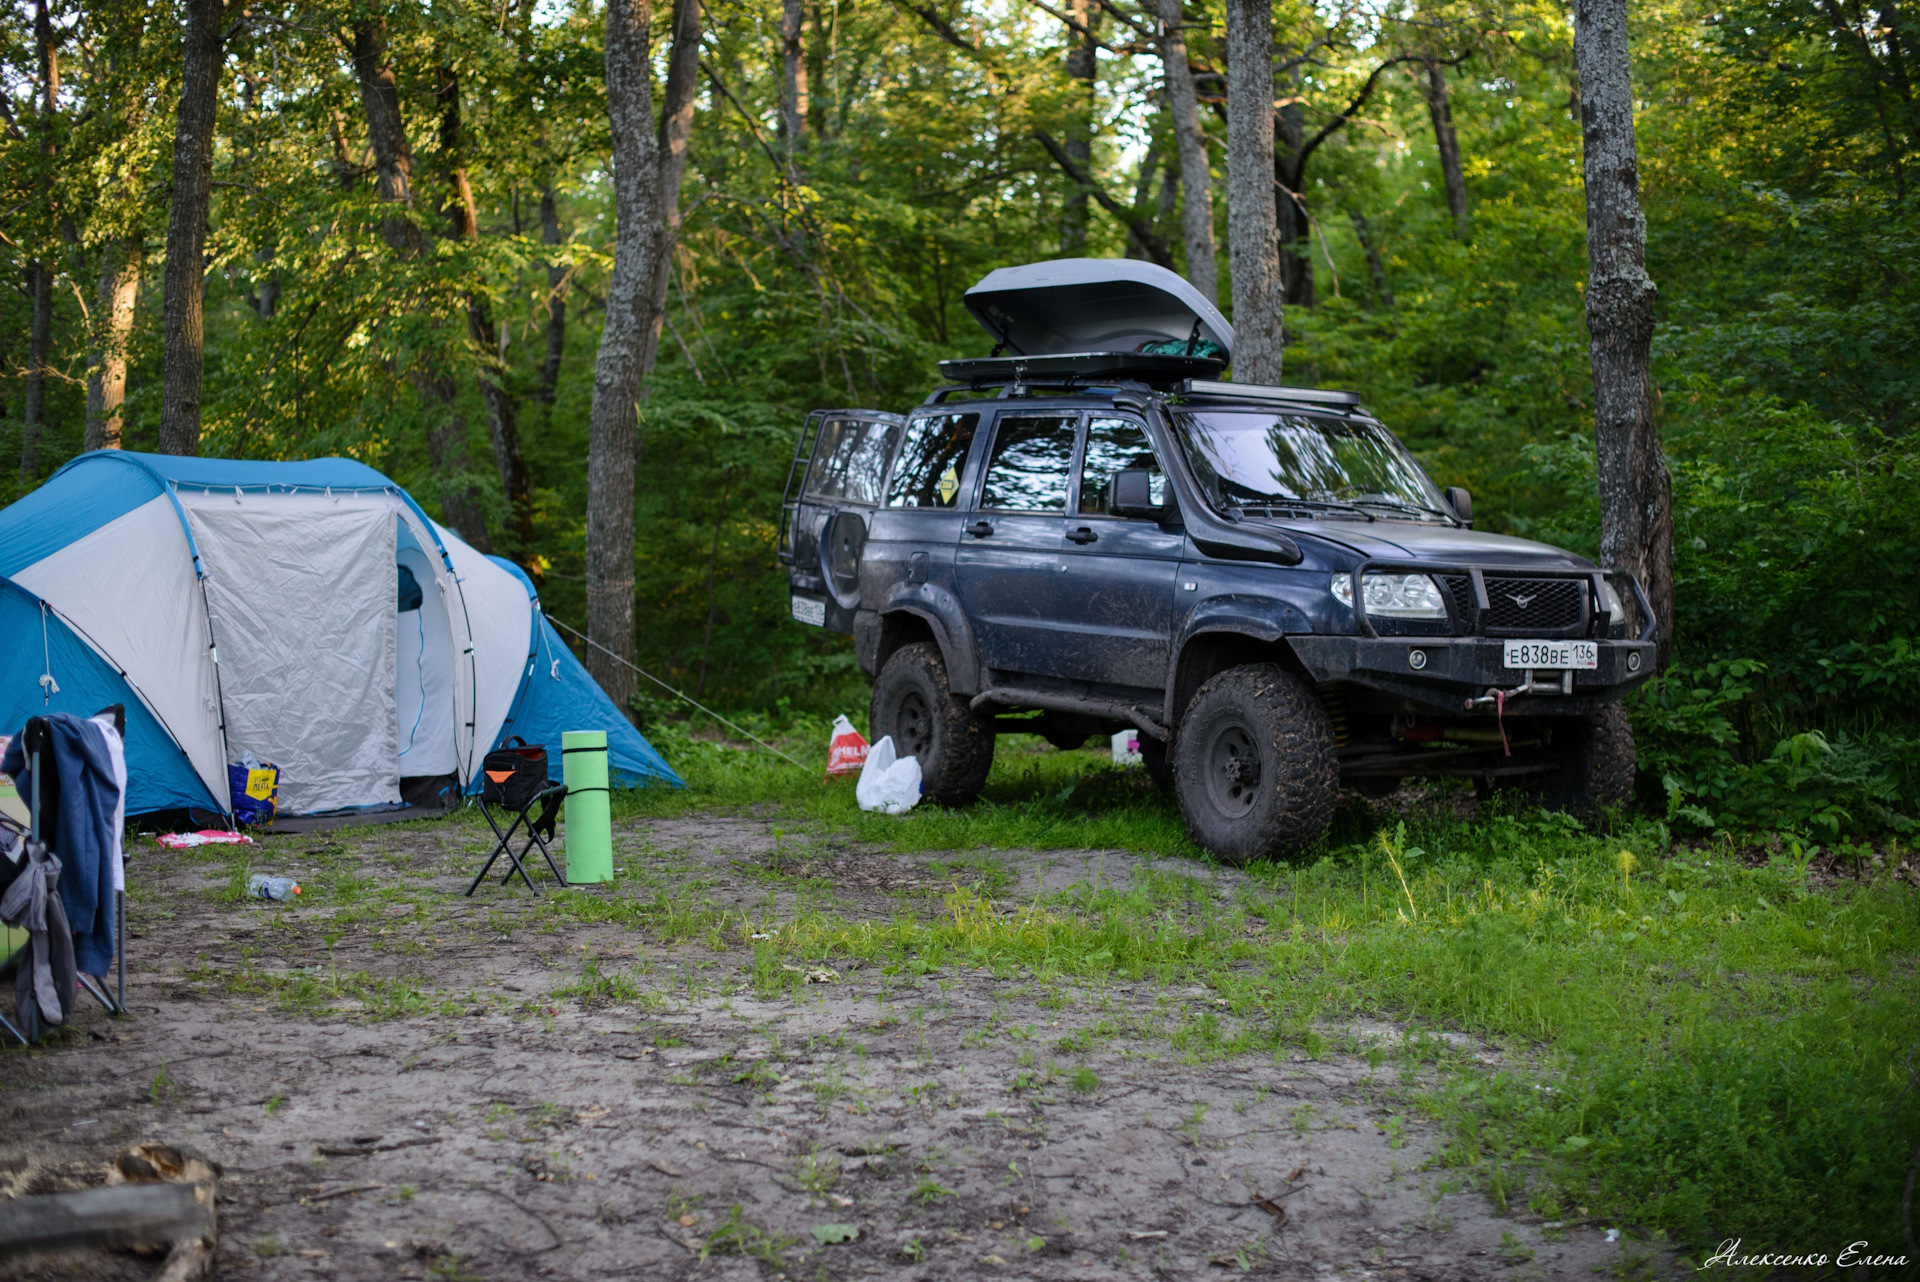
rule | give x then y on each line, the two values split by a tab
508	1089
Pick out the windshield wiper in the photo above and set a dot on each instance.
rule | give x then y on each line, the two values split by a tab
1403	505
1286	506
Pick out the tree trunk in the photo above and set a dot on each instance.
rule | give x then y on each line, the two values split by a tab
1253	248
1083	65
393	183
33	415
39	271
822	14
490	375
447	455
556	301
184	288
793	82
1440	107
1636	499
1143	188
112	325
649	161
1196	175
1292	226
386	132
1375	268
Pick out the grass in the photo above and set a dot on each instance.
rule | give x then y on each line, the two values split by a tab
1690	1041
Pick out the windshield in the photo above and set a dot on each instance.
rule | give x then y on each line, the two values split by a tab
1252	459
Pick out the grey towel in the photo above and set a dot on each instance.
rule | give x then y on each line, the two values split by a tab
32	903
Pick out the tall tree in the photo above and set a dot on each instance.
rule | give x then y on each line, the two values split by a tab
1636	494
446	436
1083	69
120	262
793	81
1291	223
462	221
649	162
1376	269
1293	150
1440	110
182	324
557	273
39	271
1196	175
1253	242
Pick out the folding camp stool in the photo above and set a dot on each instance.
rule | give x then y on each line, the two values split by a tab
548	799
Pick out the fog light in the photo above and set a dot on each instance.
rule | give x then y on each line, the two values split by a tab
1416	659
1633	661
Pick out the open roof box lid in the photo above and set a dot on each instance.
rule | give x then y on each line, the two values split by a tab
1090	318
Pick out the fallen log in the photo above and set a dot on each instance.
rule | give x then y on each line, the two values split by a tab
124	1215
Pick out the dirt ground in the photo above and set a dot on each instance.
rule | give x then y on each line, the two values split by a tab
570	1100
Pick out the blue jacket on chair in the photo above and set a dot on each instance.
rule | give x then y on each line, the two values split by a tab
80	831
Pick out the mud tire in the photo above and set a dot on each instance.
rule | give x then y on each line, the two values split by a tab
1255	766
1596	766
912	702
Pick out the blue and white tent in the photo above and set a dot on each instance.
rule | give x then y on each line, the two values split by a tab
308	614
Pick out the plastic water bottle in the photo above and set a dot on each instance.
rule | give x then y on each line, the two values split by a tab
261	886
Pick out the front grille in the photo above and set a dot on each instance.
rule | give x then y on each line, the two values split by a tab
1552	605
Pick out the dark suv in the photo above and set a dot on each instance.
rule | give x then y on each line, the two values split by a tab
1088	531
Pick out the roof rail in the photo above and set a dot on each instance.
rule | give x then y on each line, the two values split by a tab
1260	392
1079	367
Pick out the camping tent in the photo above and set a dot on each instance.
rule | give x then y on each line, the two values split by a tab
307	614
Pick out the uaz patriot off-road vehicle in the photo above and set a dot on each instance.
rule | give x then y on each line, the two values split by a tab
1087	531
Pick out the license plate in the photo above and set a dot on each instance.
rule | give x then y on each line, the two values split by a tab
809	611
1553	654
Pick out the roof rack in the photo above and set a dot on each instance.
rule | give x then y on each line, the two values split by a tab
1260	392
1072	368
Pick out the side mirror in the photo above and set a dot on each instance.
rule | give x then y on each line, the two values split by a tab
1139	492
1462	504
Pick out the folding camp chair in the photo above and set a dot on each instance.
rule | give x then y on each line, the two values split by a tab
514	780
37	744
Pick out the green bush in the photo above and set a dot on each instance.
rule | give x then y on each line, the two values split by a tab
1688	725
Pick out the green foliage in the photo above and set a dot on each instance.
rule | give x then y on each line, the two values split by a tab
1775	164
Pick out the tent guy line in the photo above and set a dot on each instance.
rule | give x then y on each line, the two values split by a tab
675	693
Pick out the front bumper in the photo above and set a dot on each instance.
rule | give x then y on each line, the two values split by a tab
1453	670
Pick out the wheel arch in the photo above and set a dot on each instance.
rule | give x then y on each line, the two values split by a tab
877	635
1207	653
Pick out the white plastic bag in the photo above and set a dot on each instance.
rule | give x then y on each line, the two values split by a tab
1126	748
888	783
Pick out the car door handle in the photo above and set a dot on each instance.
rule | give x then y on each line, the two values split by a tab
1081	535
980	529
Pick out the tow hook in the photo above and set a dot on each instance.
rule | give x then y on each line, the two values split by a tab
1496	695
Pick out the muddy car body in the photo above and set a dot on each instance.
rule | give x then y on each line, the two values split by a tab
1088	530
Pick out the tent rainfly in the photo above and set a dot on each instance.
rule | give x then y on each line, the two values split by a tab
307	614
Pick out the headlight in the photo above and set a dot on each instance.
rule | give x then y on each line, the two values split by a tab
1610	602
1394	596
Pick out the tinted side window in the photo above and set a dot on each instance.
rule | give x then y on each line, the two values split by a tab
850	458
1115	445
1032	455
932	457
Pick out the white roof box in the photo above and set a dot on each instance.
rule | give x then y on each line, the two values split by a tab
1074	305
